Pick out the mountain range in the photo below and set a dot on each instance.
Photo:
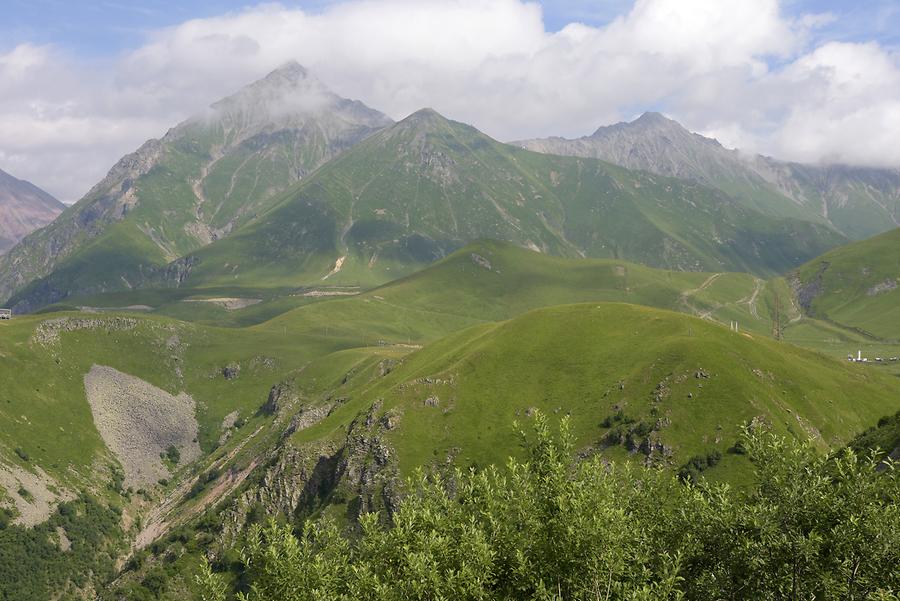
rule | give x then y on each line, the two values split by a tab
857	201
285	184
23	208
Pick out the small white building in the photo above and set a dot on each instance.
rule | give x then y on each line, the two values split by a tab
858	358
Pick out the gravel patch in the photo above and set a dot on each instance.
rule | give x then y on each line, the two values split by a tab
227	425
62	539
229	304
138	421
38	507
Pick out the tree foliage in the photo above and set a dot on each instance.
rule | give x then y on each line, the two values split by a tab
554	528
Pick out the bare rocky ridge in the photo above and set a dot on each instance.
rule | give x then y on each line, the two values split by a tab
23	208
139	421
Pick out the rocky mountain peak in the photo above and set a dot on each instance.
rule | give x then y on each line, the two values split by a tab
290	71
288	90
648	124
426	117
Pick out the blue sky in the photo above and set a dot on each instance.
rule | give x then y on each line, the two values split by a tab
101	28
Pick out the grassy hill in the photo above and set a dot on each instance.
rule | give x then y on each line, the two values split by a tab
664	386
856	286
481	284
485	280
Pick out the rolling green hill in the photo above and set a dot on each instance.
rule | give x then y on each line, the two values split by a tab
856	286
426	186
485	280
664	386
362	389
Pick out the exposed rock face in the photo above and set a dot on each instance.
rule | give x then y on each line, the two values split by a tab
43	493
48	331
206	179
358	468
859	202
806	293
481	261
272	404
885	286
23	208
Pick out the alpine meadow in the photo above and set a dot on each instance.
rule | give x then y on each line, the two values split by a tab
372	315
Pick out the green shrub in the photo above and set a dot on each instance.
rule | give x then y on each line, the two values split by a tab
550	527
171	454
34	568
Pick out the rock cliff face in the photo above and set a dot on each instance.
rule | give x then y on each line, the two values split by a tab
23	208
195	185
858	202
355	468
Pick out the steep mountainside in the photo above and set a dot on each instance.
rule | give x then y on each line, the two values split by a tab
858	202
23	208
857	285
413	192
200	181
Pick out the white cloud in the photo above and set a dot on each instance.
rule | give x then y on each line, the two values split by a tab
491	63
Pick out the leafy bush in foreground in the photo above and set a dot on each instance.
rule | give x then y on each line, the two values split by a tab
554	528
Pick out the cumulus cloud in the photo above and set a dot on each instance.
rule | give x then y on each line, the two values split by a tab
740	70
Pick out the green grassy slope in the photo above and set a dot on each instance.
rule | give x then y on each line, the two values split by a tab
437	330
413	192
857	286
687	383
486	280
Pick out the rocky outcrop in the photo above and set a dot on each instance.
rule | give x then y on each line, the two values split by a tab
806	292
47	332
885	286
358	470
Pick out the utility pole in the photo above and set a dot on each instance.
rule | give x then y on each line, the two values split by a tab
776	326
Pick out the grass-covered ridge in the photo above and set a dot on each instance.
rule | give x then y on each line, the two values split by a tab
857	285
665	386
